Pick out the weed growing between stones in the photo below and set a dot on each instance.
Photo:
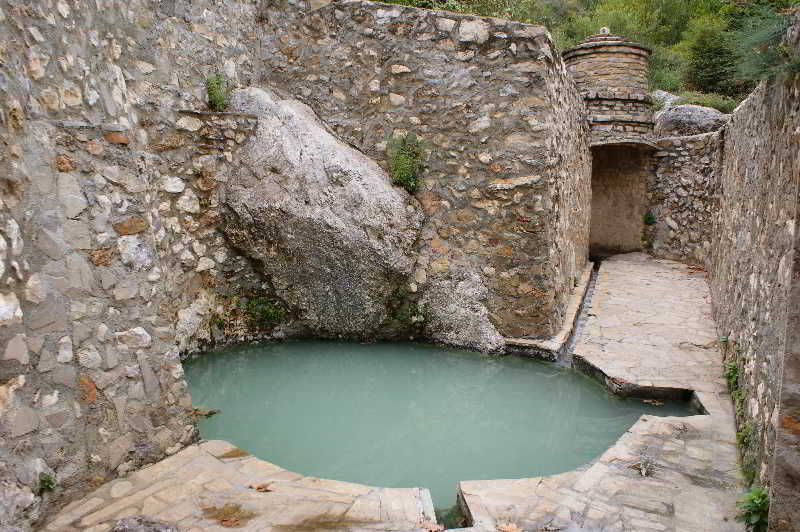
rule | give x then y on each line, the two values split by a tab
451	517
46	482
219	94
646	465
404	319
265	311
749	470
732	375
738	400
406	161
744	436
650	218
754	508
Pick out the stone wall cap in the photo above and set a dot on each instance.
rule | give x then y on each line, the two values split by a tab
590	47
633	142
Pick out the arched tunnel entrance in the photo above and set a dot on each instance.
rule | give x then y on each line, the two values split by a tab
619	199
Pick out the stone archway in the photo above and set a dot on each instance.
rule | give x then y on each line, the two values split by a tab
619	200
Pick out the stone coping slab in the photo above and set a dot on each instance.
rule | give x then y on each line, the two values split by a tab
216	486
552	348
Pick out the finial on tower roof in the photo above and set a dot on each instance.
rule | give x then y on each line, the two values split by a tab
604	30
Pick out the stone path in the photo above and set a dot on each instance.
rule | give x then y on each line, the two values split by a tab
206	487
649	333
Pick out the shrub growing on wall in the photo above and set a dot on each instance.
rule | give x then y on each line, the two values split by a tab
218	92
406	161
265	312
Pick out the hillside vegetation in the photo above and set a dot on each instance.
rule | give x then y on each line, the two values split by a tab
711	52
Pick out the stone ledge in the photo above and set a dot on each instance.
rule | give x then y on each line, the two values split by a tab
552	348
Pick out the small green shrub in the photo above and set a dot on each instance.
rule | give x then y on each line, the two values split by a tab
732	375
406	161
46	482
719	102
738	399
219	94
650	218
754	508
749	469
265	311
744	437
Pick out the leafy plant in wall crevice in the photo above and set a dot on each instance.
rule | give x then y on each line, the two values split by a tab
754	508
407	155
219	93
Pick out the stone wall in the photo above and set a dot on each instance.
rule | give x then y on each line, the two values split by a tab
107	221
114	169
682	190
508	174
785	471
751	257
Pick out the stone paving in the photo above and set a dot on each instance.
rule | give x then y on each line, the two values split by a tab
215	486
649	333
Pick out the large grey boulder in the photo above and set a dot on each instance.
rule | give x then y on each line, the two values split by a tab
455	313
328	228
683	120
664	99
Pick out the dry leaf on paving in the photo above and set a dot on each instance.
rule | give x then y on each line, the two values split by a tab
430	526
230	523
262	488
508	527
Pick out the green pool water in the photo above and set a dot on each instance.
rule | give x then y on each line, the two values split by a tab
407	415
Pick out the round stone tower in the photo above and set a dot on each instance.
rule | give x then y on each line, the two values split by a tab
612	75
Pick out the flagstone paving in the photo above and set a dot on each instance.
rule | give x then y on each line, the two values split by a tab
215	486
649	333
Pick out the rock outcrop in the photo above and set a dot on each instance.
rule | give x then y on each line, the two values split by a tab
455	313
688	120
331	233
666	99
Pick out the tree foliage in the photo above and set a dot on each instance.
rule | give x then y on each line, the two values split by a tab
721	47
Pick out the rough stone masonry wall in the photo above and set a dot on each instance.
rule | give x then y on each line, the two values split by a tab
106	192
752	256
681	192
112	263
785	472
507	184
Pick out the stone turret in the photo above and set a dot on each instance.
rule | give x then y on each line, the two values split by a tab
612	75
